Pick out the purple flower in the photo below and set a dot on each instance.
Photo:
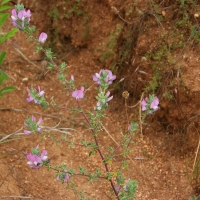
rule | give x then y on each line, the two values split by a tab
63	176
36	159
22	15
14	15
44	156
117	188
42	37
30	98
104	76
78	94
154	104
143	104
35	162
97	77
40	93
110	77
150	104
28	15
108	94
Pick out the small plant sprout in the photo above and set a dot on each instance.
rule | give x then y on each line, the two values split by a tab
63	176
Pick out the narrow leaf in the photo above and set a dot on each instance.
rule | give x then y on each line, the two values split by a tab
2	57
3	18
4	2
4	8
11	33
7	89
3	77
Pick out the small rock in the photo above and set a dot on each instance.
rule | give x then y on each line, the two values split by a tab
163	13
25	79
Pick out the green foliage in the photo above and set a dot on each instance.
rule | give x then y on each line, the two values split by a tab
5	89
128	13
3	38
2	57
4	2
193	198
3	18
129	190
155	81
3	77
8	35
185	31
75	9
110	47
54	13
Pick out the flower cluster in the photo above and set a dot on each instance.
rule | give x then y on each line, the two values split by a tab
32	125
150	104
103	100
36	97
20	18
37	159
104	78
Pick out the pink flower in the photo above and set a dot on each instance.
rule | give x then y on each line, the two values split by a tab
78	94
108	94
36	159
100	77
35	162
117	188
72	77
41	93
20	18
42	37
30	98
14	15
44	156
143	104
97	77
154	104
22	15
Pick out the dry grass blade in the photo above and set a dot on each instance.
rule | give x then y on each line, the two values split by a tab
8	136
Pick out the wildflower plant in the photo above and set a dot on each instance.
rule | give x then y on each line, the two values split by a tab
122	189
